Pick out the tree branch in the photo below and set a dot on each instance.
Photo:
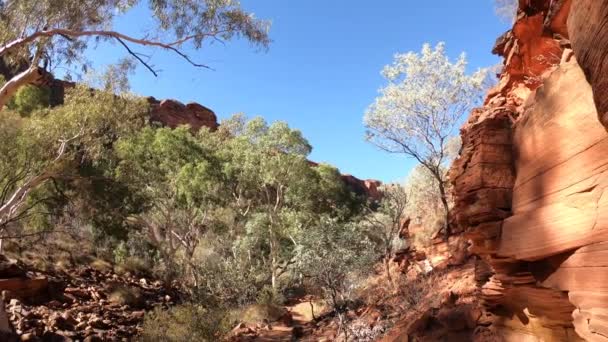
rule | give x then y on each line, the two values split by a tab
101	33
137	57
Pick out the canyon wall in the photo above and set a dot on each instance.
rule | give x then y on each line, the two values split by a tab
529	182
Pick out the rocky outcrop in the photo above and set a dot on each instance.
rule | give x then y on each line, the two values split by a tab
529	182
173	113
170	113
363	187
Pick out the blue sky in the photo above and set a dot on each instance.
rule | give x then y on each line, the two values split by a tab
322	69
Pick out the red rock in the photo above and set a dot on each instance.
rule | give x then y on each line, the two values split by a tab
588	30
24	287
459	317
78	292
368	187
557	199
10	268
545	264
172	113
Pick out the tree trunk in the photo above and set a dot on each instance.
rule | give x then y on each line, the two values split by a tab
446	207
10	207
274	263
387	266
312	310
273	280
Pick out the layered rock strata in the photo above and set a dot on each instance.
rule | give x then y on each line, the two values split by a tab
529	183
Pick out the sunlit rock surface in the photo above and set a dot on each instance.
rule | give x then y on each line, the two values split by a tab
529	183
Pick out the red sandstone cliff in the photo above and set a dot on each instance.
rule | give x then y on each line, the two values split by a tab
529	182
173	113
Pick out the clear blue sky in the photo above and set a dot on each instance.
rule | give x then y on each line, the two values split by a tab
322	69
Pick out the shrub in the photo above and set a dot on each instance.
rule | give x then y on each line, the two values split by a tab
135	266
415	291
185	323
229	281
30	98
123	295
260	313
270	296
101	265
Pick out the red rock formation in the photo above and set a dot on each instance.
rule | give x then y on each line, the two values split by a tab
588	29
367	187
170	113
530	179
173	113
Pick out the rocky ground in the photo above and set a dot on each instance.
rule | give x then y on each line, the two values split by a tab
86	303
434	298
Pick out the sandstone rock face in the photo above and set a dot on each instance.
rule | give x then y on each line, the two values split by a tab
173	113
529	183
367	187
588	30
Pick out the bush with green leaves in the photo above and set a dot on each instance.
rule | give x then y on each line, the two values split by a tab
231	209
337	257
185	323
385	222
30	98
42	152
424	207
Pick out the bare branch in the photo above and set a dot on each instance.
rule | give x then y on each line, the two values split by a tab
137	56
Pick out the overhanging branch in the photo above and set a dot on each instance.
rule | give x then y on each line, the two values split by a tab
110	34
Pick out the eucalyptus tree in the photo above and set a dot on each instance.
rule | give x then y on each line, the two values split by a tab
271	180
506	10
37	35
420	108
44	147
336	257
179	179
386	221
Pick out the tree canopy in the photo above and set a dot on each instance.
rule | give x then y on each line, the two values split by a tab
38	36
419	110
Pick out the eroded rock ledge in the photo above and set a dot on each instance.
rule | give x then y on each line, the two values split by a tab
529	182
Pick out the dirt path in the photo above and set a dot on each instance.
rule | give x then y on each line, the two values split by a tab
302	317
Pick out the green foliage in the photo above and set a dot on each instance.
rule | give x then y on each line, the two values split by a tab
30	98
229	280
191	22
333	194
269	296
188	322
39	152
384	224
424	208
230	209
337	256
